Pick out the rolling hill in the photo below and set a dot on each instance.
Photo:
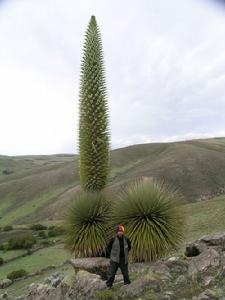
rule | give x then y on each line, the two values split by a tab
39	188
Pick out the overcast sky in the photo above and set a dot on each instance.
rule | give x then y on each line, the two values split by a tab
164	62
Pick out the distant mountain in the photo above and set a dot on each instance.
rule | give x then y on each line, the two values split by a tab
37	188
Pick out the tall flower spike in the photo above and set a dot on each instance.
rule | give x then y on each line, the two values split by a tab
94	155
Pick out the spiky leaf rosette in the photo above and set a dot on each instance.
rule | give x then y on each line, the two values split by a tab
149	211
93	119
86	223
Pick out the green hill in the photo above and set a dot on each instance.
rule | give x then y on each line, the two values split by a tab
39	188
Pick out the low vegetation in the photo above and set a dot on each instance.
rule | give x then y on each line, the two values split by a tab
17	274
21	242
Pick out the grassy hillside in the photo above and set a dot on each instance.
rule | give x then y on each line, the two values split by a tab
39	188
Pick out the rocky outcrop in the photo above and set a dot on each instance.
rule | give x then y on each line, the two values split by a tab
198	275
96	265
5	283
138	287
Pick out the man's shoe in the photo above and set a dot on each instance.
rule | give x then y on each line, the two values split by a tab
128	282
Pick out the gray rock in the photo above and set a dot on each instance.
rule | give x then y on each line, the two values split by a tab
207	294
85	285
55	282
208	280
4	283
200	263
173	258
214	240
161	269
138	286
96	265
177	267
54	279
169	295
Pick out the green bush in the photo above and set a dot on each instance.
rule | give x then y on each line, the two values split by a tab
21	242
38	227
42	234
149	211
1	261
8	228
45	242
86	224
6	172
17	274
55	231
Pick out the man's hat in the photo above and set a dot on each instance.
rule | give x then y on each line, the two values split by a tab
120	228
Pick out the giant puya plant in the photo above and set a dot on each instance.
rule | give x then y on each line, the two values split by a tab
93	118
86	220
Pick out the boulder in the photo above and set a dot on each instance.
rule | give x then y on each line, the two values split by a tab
161	269
177	267
214	240
207	295
4	283
138	286
96	265
203	261
208	280
85	285
158	267
54	280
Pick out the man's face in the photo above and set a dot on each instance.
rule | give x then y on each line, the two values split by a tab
120	233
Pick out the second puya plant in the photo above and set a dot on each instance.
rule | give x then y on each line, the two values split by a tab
91	218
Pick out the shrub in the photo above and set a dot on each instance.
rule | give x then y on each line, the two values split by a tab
86	224
1	261
55	231
45	242
6	172
17	274
8	228
148	209
21	242
42	234
38	227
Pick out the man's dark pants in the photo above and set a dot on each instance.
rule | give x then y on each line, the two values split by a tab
113	269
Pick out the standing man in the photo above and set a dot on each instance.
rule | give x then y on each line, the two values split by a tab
117	249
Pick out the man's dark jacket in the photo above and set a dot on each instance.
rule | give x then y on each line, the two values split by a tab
118	248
